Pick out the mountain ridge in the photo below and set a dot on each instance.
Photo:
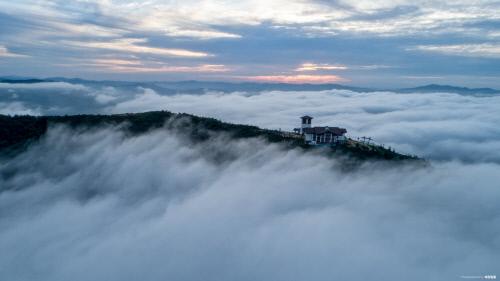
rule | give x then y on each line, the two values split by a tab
17	133
200	86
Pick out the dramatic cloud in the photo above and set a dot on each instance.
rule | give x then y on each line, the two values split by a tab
100	206
321	17
258	38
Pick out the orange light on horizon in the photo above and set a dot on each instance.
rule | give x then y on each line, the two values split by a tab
322	66
296	79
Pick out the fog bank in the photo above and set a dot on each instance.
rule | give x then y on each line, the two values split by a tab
95	205
438	126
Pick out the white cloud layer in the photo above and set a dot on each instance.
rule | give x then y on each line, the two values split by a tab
466	50
135	45
138	66
99	206
18	108
439	126
434	125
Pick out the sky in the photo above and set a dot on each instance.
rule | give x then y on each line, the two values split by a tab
388	43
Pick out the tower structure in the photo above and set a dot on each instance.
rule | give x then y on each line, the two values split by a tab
306	122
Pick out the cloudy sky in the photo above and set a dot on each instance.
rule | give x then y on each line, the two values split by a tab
388	43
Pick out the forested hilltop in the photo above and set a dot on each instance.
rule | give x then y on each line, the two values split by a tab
19	132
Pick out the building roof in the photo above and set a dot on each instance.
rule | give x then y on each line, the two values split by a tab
321	130
306	117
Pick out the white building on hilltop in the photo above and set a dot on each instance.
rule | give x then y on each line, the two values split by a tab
320	135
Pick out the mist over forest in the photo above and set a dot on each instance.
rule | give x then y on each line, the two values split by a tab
438	126
98	204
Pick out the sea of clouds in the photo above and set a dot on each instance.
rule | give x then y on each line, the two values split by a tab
438	126
97	205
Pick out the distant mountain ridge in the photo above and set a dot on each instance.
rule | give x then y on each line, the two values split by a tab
23	81
193	86
433	88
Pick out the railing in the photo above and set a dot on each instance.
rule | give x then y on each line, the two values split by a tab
367	142
371	144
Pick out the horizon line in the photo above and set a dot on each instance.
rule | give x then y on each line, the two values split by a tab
47	79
